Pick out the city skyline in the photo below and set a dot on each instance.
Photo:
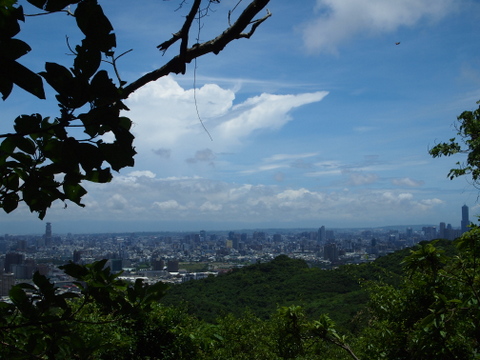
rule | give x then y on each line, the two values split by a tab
319	118
323	232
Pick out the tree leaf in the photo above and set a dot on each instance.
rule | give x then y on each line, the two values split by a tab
103	89
27	124
22	77
13	48
9	26
58	77
72	91
6	87
10	202
74	192
118	156
99	176
87	61
95	25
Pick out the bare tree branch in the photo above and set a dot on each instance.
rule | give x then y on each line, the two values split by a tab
177	64
183	33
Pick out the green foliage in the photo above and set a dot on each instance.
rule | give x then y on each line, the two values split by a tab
287	334
262	287
426	259
243	338
468	131
434	313
42	322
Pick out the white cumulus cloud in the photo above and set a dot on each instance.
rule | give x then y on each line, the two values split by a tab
168	130
341	20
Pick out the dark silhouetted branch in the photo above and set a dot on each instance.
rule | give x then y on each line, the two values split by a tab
243	27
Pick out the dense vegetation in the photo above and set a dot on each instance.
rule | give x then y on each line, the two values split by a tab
414	304
261	288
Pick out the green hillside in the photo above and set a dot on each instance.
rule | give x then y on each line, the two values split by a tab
262	288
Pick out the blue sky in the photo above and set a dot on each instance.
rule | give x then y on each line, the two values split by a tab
318	119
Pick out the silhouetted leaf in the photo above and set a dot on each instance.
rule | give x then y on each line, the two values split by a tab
9	26
104	90
118	156
99	176
95	25
13	48
26	145
10	202
6	87
58	77
74	192
21	76
87	61
11	181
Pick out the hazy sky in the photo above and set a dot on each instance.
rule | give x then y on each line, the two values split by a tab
319	119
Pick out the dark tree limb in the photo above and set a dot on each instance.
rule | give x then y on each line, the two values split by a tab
243	27
183	33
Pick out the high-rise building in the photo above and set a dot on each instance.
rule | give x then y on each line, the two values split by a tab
441	231
430	232
409	232
236	242
322	235
12	259
48	234
172	266
22	245
116	265
77	256
330	252
330	235
6	283
157	264
465	221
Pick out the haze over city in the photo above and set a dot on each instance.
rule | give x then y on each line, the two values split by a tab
324	117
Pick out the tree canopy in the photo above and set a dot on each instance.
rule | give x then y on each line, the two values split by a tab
468	130
44	159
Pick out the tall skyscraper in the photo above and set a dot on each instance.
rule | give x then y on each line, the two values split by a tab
441	231
465	220
322	235
48	234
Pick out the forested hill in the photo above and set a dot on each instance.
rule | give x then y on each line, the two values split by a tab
261	288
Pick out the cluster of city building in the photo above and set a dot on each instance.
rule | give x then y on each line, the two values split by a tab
162	256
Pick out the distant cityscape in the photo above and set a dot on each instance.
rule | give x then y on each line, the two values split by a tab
179	257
